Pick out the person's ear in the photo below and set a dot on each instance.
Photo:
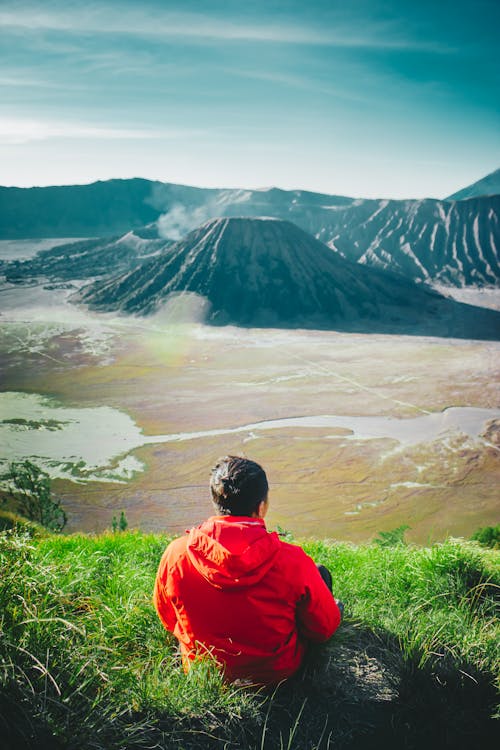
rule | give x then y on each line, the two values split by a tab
263	506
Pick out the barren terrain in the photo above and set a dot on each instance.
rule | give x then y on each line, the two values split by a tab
172	378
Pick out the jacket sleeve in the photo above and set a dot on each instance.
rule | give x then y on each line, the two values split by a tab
161	600
318	616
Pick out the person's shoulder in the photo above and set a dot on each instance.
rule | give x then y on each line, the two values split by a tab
174	551
293	553
177	546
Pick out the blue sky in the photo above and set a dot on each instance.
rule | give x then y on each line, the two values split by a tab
370	99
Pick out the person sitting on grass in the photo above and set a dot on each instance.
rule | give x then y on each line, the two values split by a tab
234	592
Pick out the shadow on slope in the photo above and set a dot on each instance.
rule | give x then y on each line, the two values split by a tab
361	691
445	319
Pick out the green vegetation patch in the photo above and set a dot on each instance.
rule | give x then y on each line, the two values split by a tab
85	663
488	536
35	424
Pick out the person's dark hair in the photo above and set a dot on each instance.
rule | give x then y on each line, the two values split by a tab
238	486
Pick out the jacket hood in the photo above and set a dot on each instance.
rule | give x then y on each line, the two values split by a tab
232	551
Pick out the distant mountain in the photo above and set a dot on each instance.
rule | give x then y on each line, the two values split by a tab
113	207
101	209
270	273
86	258
454	243
489	185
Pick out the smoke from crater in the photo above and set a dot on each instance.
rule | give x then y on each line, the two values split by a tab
179	220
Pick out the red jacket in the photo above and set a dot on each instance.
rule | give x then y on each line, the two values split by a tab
231	589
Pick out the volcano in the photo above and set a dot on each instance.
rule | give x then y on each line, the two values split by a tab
266	272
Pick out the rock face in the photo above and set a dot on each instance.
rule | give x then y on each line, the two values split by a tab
455	243
266	272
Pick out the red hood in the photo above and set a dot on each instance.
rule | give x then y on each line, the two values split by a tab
232	551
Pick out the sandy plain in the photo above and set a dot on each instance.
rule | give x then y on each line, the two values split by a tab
187	377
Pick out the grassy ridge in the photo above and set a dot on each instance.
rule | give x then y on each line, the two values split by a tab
84	662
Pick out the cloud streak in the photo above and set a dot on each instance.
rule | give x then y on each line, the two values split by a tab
17	131
298	82
104	19
22	81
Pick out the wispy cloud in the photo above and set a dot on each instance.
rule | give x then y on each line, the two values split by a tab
106	19
16	131
26	81
298	82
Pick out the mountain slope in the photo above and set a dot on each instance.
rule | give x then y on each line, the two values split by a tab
86	258
454	243
266	272
489	185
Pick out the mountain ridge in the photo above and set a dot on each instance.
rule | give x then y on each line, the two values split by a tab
488	185
456	243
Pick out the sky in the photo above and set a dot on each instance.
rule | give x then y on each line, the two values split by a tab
362	98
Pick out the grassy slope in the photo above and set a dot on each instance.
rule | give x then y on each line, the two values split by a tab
84	662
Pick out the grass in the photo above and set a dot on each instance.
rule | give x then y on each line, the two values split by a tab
84	662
